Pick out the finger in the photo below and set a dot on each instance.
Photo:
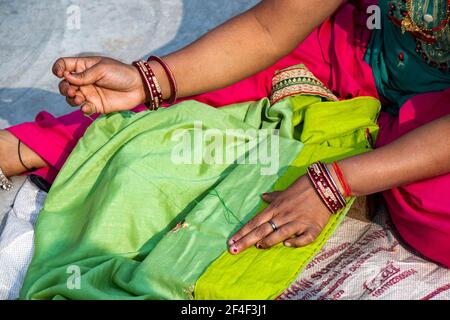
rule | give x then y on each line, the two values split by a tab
67	90
64	65
87	77
270	197
257	221
76	101
306	238
251	238
285	232
89	109
71	102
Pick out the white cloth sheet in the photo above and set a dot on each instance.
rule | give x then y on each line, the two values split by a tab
367	261
361	261
19	209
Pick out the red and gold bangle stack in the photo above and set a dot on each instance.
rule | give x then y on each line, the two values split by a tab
153	89
326	187
170	76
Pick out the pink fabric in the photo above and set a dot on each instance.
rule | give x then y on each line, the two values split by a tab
334	53
420	211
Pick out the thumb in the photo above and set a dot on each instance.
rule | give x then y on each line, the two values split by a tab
270	197
87	77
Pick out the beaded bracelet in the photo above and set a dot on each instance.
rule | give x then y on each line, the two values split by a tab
151	84
172	81
326	189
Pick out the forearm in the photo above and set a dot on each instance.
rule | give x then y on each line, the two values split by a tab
244	45
9	156
421	154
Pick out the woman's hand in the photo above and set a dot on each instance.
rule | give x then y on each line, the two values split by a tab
99	84
298	212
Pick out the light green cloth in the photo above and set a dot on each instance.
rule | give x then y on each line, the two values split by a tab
114	203
112	208
331	131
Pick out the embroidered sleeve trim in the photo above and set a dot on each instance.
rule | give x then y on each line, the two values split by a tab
298	80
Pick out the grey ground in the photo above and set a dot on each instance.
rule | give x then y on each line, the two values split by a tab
34	33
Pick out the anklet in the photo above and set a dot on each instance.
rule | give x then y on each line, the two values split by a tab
5	183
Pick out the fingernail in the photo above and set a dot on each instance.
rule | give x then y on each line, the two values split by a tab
287	244
89	114
259	246
231	242
91	108
234	250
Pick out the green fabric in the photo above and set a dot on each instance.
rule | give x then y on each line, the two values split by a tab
398	81
329	131
114	203
112	210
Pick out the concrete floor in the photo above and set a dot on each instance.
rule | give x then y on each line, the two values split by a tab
34	33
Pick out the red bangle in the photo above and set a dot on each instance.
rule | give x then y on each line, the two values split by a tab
347	190
155	87
322	184
333	184
149	103
153	90
172	81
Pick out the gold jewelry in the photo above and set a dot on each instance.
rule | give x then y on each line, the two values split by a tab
408	25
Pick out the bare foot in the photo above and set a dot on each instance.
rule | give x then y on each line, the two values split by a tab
9	157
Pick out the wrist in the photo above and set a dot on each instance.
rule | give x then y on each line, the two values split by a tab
142	94
354	176
324	184
9	156
336	179
6	152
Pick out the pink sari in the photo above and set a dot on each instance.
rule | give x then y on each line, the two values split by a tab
334	52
